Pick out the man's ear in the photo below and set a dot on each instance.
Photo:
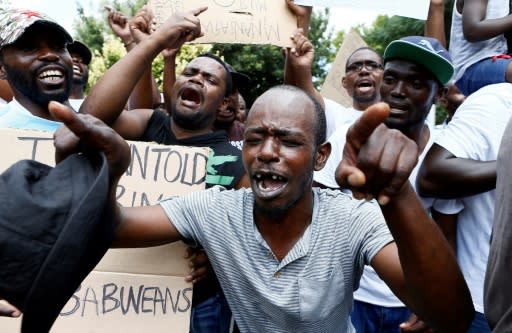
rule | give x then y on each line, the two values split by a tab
3	73
224	104
343	83
440	94
322	154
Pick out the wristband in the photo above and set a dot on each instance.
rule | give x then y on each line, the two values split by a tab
129	43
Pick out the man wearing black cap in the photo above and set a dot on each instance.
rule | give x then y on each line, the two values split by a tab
198	92
37	65
81	56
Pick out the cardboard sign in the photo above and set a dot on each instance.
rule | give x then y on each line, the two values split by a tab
130	290
417	9
332	87
235	21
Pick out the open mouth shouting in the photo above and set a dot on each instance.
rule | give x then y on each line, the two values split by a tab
365	86
268	184
190	97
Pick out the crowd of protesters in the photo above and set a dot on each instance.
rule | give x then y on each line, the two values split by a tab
316	217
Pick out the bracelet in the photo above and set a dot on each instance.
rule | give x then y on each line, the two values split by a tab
129	43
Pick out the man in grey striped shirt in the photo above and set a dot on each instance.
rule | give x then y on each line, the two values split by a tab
289	256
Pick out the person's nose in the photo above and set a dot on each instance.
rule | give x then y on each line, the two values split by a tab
197	79
49	54
269	151
398	89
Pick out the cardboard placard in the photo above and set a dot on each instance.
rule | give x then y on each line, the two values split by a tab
235	21
332	87
130	290
417	9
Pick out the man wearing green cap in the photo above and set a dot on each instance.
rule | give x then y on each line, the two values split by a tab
415	71
37	65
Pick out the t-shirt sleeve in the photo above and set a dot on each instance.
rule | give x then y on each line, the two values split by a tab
475	127
368	232
153	131
448	206
189	213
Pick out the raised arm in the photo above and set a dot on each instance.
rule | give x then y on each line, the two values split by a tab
419	266
169	75
107	98
118	23
476	28
298	65
434	25
303	15
145	95
442	175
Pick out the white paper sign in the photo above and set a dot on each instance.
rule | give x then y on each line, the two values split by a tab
417	9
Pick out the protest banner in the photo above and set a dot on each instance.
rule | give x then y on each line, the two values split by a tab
130	290
235	21
417	9
332	87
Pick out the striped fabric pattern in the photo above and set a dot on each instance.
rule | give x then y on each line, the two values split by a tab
311	289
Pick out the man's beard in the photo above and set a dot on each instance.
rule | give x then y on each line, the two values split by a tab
191	121
275	213
366	98
80	80
30	89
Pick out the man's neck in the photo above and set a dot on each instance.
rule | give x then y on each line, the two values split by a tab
36	109
282	231
362	106
223	126
182	133
420	135
77	92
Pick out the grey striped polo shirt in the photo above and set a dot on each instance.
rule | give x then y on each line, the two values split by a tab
310	290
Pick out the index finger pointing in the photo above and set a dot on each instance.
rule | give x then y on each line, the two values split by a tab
361	130
199	10
68	116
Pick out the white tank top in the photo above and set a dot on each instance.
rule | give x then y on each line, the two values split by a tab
465	53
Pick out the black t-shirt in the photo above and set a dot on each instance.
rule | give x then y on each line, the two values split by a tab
224	166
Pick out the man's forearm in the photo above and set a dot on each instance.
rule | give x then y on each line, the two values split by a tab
110	94
453	177
436	289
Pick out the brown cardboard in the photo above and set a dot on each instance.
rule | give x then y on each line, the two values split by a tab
130	290
235	21
332	87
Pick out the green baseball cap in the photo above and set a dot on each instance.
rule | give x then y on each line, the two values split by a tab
424	51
